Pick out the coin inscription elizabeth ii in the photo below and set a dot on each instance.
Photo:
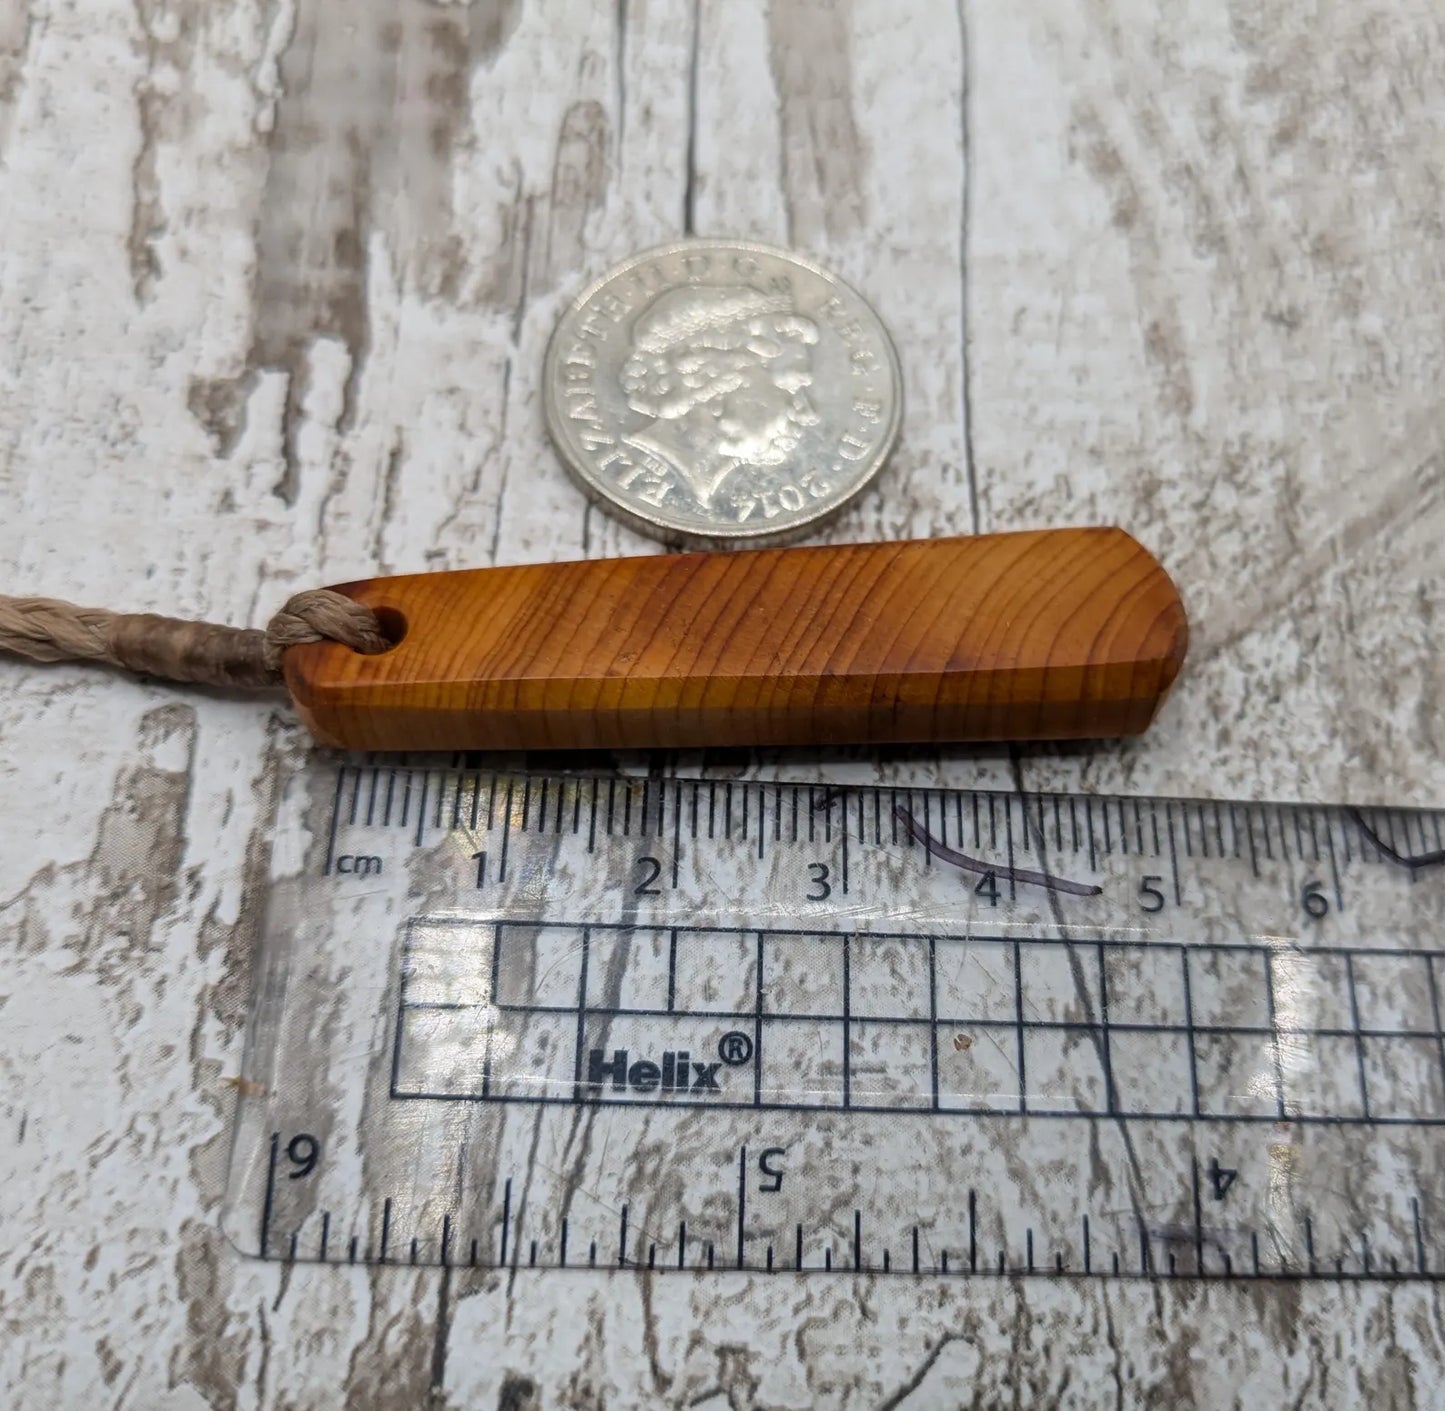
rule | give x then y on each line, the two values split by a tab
715	392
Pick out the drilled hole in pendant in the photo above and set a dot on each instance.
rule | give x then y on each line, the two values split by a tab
393	626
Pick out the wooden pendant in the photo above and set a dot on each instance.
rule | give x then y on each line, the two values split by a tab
1053	634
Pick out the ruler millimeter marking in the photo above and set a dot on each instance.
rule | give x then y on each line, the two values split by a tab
516	1020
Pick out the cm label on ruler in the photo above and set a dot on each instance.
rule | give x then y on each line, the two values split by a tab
817	1027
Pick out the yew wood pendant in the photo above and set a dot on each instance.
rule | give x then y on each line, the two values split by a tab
1055	634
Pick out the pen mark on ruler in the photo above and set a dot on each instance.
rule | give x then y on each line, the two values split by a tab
1022	875
1427	859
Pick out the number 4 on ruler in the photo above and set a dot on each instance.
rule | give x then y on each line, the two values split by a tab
1221	1178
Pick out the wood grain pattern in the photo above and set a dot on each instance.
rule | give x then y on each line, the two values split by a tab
1176	267
1054	634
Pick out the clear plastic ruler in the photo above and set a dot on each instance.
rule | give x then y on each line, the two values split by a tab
533	1020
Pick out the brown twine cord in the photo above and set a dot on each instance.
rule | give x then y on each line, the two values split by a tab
46	629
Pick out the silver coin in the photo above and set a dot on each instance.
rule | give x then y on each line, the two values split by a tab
717	392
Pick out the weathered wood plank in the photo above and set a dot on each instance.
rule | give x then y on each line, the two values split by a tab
1195	309
275	283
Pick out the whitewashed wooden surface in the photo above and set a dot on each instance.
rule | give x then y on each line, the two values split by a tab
275	281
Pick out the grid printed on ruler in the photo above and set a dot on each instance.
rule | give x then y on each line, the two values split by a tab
507	1011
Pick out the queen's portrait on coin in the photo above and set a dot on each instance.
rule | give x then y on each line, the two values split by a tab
721	373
